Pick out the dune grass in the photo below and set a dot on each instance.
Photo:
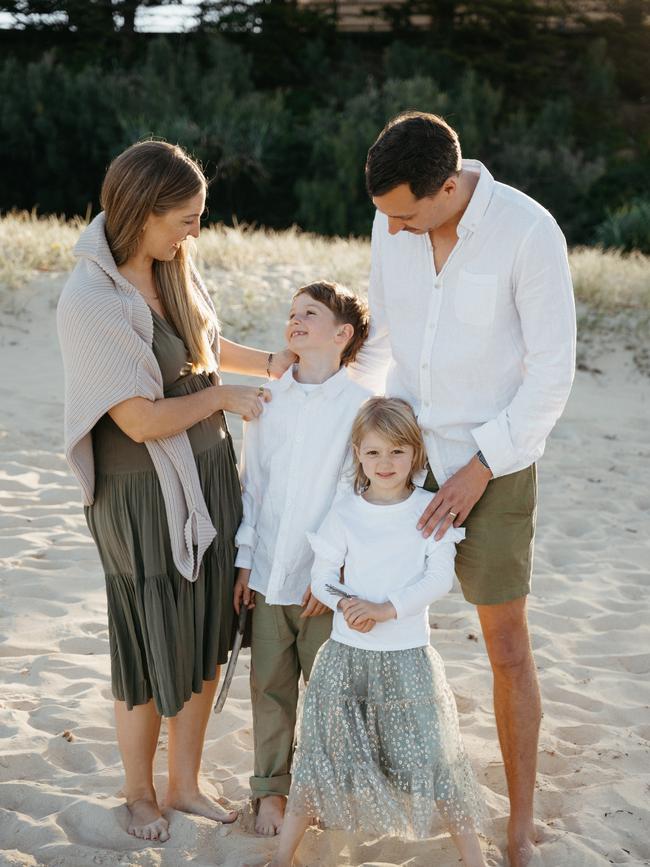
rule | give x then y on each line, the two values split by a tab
240	263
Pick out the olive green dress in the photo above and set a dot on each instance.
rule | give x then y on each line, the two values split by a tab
166	634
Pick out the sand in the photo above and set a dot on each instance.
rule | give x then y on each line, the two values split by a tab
60	772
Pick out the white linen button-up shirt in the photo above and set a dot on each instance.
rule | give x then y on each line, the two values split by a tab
296	459
484	350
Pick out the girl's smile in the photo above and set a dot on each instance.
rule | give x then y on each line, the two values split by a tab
387	466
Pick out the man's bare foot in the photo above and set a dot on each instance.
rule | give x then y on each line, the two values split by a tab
270	816
200	805
521	845
146	821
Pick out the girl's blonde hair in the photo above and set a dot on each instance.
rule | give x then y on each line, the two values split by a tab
152	177
394	419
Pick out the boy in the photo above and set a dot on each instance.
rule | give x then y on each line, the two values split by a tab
293	461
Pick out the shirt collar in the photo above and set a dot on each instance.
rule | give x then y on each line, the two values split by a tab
330	388
480	200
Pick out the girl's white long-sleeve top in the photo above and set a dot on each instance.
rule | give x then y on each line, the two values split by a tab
385	559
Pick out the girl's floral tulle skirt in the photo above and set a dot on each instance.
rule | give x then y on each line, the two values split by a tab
379	749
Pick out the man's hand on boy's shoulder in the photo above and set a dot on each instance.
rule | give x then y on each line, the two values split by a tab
242	594
312	606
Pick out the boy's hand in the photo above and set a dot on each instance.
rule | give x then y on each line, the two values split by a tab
313	607
242	593
356	611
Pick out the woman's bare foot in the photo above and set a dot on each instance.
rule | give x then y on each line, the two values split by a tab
146	821
200	805
270	815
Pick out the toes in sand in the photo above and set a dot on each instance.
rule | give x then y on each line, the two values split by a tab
270	815
200	805
146	821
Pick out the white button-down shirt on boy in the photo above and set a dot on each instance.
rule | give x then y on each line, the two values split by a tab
484	350
296	459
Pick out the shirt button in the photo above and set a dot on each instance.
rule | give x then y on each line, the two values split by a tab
425	365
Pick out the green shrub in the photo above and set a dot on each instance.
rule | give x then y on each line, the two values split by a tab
627	228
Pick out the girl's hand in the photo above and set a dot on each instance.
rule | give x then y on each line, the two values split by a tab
242	594
356	611
281	361
364	626
313	607
243	400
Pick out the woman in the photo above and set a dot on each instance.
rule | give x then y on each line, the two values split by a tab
147	439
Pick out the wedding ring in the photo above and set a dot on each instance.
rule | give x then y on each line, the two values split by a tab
260	390
453	515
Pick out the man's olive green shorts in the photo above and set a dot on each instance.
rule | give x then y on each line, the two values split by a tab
494	562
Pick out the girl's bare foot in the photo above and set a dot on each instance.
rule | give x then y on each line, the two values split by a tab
146	821
270	816
198	804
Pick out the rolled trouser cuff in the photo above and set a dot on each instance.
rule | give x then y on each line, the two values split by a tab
261	787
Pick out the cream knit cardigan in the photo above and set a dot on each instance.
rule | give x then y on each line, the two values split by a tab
106	334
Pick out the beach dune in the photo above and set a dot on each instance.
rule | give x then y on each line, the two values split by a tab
60	770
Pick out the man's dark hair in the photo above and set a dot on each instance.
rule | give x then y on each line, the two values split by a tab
414	148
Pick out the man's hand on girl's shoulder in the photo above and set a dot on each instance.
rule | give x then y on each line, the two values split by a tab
455	499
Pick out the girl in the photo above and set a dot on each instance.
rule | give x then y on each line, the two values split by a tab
147	438
379	748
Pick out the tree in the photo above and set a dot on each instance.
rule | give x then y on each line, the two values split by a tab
80	16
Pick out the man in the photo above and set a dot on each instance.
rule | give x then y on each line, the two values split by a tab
472	312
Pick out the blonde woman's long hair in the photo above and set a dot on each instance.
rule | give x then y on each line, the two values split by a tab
393	419
152	177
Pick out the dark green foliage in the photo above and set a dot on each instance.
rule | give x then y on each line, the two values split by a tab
59	129
627	228
281	108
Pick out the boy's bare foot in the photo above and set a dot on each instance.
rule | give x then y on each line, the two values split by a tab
270	816
146	821
200	805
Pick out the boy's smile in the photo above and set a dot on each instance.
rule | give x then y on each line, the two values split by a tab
312	327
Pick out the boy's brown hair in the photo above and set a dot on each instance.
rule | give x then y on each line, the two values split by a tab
347	308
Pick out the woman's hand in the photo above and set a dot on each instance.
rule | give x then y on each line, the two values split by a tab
281	361
357	610
243	400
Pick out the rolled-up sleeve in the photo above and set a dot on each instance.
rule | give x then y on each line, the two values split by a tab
543	294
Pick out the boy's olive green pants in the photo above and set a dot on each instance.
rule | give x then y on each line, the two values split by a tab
283	646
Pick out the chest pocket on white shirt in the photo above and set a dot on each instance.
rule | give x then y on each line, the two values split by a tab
475	298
